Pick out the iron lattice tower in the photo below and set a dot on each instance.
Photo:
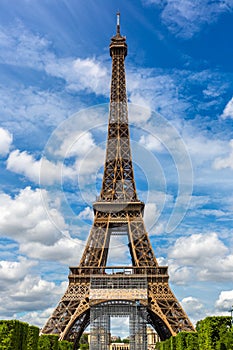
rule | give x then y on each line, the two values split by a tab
117	210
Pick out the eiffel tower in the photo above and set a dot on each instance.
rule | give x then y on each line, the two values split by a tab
97	291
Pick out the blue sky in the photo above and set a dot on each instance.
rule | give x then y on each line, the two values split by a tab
55	72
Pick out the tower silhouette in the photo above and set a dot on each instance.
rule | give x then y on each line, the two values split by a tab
97	291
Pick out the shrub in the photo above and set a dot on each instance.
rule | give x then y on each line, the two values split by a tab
32	338
210	330
10	337
44	342
65	345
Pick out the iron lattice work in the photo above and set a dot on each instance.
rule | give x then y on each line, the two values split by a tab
100	324
117	211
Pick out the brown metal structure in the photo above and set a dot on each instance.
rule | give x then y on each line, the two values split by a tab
118	211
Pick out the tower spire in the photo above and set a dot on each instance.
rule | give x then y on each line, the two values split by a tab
118	22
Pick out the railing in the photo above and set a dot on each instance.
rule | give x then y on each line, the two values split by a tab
119	270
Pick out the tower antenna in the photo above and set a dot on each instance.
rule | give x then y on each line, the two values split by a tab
118	22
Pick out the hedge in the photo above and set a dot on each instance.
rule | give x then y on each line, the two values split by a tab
65	345
183	341
48	342
13	335
213	333
211	330
32	338
16	335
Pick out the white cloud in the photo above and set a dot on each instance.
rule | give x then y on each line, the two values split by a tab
179	275
225	301
151	215
118	251
6	139
186	18
21	47
92	75
86	214
30	294
66	250
197	247
193	307
200	147
25	49
36	318
151	143
75	144
227	162
24	218
32	110
194	257
39	171
228	110
21	291
81	74
13	271
40	231
88	166
23	163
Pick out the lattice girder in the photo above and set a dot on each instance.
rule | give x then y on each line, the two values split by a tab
74	300
165	304
118	211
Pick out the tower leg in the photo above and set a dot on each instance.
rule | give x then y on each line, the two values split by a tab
99	328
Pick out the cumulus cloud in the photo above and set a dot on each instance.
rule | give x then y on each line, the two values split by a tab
186	18
86	214
194	257
36	318
39	171
30	294
75	144
228	110
40	231
193	307
6	139
22	291
225	162
225	300
151	143
13	271
66	250
24	218
197	247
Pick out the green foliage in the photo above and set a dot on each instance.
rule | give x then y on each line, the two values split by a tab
213	333
10	335
32	338
226	341
210	330
181	341
84	346
44	342
23	331
16	335
53	342
65	345
191	341
173	343
126	341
